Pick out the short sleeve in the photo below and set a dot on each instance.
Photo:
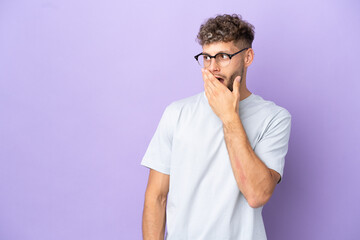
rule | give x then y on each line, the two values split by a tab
158	153
273	146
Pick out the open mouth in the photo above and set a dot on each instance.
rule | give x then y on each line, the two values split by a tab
220	79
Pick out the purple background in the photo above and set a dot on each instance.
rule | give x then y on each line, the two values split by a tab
83	85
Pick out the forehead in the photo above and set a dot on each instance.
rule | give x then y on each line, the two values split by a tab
213	48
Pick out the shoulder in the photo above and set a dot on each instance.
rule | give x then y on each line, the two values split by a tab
186	103
276	120
177	109
268	109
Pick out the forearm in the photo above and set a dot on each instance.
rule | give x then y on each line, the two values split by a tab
154	218
252	175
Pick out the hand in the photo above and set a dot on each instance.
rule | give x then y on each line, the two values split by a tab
223	102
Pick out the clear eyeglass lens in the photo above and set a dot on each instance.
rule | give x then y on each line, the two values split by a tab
222	59
204	60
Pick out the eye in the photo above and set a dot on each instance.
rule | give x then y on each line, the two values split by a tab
206	57
223	56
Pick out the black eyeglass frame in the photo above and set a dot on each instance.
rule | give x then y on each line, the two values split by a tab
229	55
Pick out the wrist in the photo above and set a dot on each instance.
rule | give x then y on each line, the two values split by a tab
230	119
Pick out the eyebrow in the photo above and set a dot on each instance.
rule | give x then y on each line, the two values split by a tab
227	52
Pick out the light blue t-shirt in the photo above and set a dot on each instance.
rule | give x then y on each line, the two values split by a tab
204	201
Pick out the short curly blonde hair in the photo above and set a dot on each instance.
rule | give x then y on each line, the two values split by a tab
226	28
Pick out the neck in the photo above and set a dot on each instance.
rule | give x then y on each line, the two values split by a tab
244	92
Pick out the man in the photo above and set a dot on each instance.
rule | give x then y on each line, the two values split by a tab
216	157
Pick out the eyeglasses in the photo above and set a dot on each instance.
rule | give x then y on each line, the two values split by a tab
222	59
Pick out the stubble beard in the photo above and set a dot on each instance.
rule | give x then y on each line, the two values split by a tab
232	78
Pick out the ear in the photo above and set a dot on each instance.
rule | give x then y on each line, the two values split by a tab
249	57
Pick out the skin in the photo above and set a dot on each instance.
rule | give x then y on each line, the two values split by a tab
154	217
234	69
254	179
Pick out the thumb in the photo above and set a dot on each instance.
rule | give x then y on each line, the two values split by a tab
236	87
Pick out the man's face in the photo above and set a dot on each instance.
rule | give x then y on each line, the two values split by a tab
226	75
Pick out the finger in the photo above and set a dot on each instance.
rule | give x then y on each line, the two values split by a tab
207	80
236	87
208	88
216	83
204	75
212	79
208	96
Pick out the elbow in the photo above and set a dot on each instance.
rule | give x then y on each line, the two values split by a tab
162	200
258	197
256	203
151	198
258	200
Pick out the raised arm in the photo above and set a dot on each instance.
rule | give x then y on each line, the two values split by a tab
255	180
154	214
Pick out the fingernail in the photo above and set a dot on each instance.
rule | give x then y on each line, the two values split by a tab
238	78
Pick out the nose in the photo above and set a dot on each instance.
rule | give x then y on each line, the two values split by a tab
213	67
